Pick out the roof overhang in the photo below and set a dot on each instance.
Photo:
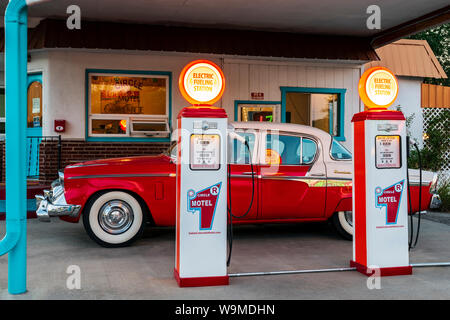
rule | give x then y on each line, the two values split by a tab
95	35
348	18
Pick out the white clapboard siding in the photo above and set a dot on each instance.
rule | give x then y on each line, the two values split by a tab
244	77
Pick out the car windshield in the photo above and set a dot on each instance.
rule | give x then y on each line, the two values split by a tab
338	151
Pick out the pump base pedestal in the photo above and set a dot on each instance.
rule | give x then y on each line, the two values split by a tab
201	281
384	272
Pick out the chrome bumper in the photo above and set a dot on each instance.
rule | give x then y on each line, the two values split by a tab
435	202
53	204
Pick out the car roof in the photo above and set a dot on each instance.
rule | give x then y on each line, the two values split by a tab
291	127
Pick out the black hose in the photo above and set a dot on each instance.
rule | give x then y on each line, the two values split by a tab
411	221
420	194
412	245
230	225
230	213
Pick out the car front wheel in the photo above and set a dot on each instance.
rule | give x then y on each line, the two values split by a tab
113	219
343	223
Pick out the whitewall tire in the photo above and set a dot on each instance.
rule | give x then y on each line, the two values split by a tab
343	223
114	218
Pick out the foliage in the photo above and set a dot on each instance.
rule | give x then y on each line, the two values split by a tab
439	40
444	192
436	144
434	154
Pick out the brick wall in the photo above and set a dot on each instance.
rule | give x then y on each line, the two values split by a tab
73	151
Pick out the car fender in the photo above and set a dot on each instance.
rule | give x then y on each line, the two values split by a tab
79	191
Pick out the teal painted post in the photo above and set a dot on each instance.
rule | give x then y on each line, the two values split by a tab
14	242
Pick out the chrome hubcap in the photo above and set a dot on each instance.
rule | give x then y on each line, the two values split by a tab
115	217
348	217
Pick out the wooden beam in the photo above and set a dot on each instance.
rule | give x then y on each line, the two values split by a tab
429	20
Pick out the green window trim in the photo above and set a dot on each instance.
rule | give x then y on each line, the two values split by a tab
127	72
341	105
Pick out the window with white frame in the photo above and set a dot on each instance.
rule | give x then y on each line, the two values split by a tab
128	105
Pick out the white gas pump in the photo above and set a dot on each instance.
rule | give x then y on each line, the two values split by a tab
380	218
201	221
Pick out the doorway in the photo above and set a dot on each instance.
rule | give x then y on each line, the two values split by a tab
34	124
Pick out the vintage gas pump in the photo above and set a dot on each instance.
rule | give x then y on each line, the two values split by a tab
201	221
380	238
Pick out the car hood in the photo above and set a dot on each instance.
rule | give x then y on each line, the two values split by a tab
122	166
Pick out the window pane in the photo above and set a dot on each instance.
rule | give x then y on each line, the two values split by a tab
257	113
128	95
149	126
286	148
109	126
319	110
239	152
34	117
339	152
309	149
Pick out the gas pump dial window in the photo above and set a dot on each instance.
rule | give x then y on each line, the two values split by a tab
388	152
205	152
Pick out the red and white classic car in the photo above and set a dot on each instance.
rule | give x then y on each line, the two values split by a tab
301	174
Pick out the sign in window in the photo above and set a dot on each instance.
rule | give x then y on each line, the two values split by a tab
259	112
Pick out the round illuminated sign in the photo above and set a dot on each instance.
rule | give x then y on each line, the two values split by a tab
378	88
202	82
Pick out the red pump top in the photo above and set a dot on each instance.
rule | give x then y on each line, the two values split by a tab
202	111
378	114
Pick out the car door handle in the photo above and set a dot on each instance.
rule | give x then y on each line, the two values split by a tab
317	174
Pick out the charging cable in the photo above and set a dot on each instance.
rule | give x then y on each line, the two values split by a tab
412	244
229	207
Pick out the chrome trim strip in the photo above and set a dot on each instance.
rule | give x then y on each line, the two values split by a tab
245	176
315	181
124	175
87	165
338	178
304	178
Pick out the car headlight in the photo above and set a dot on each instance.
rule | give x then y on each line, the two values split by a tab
59	181
61	176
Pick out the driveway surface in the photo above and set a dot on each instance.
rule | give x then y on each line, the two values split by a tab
145	270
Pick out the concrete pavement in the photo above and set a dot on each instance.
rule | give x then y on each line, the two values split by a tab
145	270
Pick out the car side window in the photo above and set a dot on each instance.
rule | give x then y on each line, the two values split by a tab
239	152
283	149
338	151
289	150
309	149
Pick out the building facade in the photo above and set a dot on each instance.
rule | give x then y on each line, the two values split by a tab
117	102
